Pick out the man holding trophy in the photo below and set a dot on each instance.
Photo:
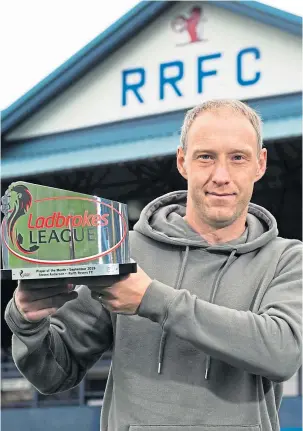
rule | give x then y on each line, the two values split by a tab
206	329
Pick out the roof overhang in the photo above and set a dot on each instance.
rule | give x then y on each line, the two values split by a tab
133	140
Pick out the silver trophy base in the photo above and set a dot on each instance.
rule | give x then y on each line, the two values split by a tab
75	273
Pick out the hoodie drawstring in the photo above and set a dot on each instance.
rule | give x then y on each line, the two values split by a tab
229	261
214	289
163	335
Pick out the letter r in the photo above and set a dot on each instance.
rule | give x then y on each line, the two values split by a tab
127	85
172	80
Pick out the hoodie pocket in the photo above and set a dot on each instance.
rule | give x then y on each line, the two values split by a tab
194	428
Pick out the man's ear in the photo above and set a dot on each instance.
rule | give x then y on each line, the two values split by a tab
181	165
262	164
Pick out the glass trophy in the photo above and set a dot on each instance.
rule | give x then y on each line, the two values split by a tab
54	233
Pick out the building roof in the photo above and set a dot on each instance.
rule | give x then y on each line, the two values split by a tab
152	136
115	36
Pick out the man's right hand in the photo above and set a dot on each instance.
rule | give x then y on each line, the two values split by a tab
37	299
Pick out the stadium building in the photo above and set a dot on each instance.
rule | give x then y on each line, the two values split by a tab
107	123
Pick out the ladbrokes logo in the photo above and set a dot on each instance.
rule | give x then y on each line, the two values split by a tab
59	220
44	230
57	227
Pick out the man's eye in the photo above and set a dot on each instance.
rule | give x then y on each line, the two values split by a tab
238	157
204	157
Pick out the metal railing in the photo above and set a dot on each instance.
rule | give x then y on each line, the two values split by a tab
17	392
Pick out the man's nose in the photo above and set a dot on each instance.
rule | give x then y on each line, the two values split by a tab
221	174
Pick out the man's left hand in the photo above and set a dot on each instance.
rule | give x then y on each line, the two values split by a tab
125	296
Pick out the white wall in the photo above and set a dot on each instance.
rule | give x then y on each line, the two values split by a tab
97	98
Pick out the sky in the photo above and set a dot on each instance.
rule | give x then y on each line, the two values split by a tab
38	36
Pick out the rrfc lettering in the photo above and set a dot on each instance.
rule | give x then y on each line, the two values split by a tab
172	73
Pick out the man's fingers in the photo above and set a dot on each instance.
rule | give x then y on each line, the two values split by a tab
41	283
102	292
107	294
52	302
101	295
34	295
102	281
38	315
70	287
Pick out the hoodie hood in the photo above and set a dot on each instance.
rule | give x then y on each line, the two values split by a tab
162	220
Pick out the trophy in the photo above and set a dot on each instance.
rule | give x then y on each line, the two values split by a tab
54	233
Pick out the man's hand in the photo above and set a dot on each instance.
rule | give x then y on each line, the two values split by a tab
125	296
37	299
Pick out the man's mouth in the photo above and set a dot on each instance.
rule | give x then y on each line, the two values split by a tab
220	195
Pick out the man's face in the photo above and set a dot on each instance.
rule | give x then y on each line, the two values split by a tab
221	164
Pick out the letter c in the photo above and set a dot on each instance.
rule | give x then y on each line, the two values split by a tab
250	51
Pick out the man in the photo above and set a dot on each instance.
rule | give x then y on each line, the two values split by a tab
206	331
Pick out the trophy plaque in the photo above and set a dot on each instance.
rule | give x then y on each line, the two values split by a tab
54	233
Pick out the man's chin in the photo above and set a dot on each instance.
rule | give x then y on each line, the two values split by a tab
220	224
222	220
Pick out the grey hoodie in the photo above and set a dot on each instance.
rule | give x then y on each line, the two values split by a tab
216	334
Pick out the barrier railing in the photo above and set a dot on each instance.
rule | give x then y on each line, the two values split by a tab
17	392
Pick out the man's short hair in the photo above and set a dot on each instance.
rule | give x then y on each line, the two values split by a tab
215	105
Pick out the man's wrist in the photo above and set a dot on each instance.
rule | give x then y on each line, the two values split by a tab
156	300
